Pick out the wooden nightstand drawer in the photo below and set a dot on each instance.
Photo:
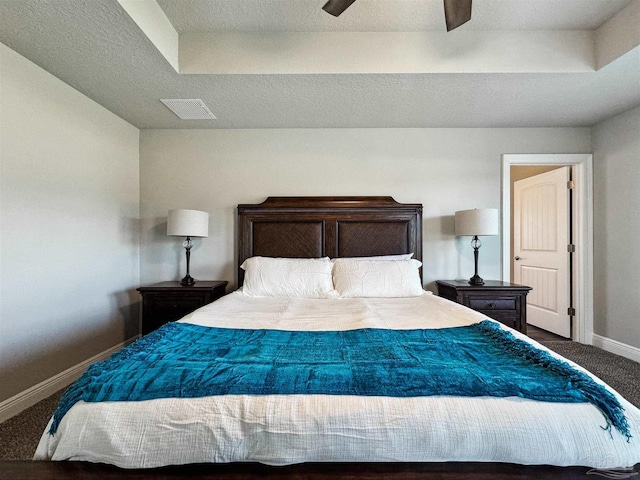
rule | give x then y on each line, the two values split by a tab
176	303
510	319
170	308
502	301
169	301
492	303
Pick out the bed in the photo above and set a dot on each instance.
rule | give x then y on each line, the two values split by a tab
361	243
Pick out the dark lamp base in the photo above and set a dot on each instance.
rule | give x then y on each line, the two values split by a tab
187	281
476	280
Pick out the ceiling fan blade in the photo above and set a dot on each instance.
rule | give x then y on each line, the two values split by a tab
456	12
336	7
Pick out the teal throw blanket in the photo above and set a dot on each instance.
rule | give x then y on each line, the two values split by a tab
187	361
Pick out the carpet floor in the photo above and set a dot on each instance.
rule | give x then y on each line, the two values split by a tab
19	436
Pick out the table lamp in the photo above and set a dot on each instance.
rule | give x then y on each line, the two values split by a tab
187	223
475	223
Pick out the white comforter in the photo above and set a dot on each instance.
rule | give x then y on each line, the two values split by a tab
285	429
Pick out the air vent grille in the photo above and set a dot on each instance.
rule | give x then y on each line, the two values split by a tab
189	108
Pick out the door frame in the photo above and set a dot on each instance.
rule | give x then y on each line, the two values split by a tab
582	328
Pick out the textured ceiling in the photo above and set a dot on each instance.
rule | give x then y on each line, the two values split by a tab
384	15
94	46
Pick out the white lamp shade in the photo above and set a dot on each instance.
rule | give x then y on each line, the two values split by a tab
187	223
479	221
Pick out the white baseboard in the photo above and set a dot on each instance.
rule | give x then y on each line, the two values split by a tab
619	348
29	397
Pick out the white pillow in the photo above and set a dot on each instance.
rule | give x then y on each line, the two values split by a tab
402	256
288	277
377	278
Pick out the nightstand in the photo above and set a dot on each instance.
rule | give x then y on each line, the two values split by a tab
169	301
502	301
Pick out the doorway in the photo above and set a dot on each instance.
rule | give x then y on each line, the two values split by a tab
540	240
582	229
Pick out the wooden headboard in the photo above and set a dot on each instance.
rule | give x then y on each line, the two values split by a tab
308	227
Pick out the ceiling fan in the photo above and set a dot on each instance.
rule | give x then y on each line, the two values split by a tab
456	12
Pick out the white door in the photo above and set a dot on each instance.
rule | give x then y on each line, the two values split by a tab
540	240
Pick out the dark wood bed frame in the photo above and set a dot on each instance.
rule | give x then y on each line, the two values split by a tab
308	227
311	227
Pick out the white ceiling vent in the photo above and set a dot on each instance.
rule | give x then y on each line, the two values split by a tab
189	108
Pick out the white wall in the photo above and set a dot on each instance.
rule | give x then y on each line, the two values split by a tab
616	165
69	226
214	170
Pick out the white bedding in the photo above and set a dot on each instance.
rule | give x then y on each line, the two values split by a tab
285	429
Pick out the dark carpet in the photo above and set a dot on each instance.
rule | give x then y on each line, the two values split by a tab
19	436
622	374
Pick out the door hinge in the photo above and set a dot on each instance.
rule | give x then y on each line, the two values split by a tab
571	248
571	311
571	184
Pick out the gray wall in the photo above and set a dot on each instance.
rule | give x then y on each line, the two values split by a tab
69	226
616	165
214	170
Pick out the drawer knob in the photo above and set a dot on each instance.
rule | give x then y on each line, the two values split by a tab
492	305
